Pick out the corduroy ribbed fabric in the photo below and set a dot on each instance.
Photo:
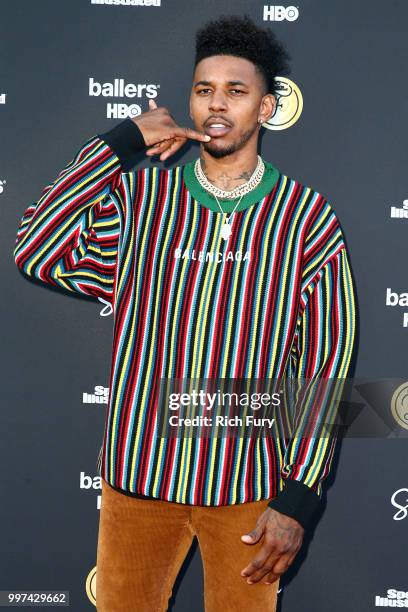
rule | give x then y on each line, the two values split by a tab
142	545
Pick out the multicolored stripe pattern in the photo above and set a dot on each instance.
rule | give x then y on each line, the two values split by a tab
287	309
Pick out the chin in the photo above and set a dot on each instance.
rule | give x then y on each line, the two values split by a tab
221	150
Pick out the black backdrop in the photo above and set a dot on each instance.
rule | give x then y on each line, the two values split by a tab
349	62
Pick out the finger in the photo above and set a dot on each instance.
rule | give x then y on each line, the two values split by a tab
268	567
266	552
273	558
261	573
159	147
280	567
185	132
253	536
271	577
175	146
152	104
162	145
291	557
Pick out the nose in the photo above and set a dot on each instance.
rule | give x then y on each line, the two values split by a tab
217	102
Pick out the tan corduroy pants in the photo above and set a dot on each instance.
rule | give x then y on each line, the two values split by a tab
142	544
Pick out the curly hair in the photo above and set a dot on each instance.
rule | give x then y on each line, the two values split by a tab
240	36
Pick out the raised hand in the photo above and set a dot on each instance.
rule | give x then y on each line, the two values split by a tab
162	134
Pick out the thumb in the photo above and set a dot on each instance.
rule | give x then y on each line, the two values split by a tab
152	104
253	536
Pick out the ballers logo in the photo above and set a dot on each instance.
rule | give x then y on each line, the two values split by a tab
289	105
397	299
120	89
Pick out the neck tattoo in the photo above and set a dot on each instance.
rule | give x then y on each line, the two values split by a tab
238	192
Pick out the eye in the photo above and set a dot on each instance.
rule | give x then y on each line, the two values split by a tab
237	91
204	90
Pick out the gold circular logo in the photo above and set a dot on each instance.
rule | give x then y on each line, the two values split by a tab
399	405
91	586
289	105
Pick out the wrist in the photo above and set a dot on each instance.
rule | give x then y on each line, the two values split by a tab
126	141
298	501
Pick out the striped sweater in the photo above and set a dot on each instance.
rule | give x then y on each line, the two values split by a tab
189	304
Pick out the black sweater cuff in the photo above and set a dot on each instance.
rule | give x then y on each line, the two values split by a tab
298	501
125	140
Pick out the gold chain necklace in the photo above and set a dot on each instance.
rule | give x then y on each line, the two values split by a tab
239	191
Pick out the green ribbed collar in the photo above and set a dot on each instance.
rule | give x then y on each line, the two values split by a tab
202	196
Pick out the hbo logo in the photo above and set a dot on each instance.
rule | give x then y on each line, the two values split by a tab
280	13
122	111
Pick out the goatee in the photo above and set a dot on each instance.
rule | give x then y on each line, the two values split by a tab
218	153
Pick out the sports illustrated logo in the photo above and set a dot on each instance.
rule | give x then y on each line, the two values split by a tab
393	599
399	500
128	2
99	396
399	405
400	213
395	299
3	98
2	185
280	13
119	89
107	309
289	105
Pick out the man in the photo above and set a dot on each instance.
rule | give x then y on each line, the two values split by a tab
221	268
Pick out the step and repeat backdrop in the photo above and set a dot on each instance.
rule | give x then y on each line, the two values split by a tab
74	68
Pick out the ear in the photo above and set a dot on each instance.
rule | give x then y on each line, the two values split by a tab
267	108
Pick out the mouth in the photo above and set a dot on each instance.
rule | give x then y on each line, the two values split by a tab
217	128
